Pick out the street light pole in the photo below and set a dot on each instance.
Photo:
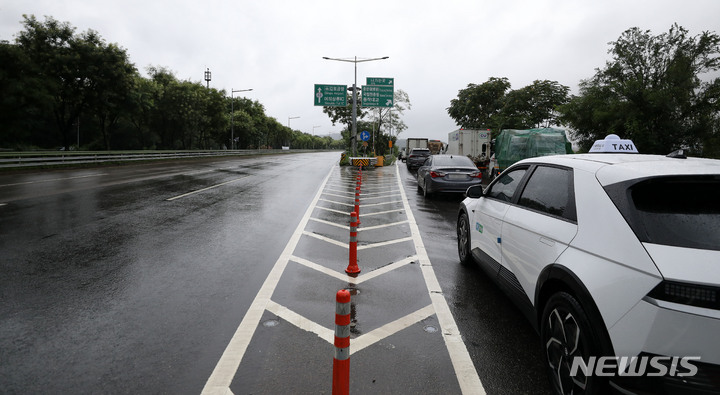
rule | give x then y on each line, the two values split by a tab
353	134
232	115
289	118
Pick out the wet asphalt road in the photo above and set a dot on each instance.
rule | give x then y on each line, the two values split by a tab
115	280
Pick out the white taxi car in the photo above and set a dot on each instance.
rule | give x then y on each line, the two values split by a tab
614	257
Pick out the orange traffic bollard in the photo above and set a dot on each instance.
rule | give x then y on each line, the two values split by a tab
353	266
341	361
357	204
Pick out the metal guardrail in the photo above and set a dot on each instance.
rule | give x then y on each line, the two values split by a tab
31	160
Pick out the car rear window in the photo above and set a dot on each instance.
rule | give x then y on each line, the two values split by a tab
453	161
676	211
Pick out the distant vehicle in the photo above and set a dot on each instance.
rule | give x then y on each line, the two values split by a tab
435	147
415	142
614	258
447	173
417	157
469	142
513	145
472	143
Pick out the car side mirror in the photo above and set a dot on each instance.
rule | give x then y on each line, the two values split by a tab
474	192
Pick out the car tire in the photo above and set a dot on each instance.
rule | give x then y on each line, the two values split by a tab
566	332
426	194
463	233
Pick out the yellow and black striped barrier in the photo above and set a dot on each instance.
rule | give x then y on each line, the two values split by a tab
360	162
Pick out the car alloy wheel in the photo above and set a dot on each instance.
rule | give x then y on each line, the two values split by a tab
463	233
566	333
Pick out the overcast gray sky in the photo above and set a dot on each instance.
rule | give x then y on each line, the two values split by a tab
435	47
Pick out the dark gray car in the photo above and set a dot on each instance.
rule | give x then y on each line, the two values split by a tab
447	173
417	157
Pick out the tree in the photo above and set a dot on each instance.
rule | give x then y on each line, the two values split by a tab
390	119
51	78
111	82
25	101
80	72
493	105
478	106
651	92
140	116
533	106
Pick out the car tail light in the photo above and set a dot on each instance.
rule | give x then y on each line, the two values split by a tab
435	174
477	174
688	294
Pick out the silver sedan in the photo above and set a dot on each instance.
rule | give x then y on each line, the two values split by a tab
447	173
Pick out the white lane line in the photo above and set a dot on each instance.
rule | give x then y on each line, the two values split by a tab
364	214
345	196
384	243
365	197
380	204
324	270
464	369
332	201
204	189
326	239
382	226
346	227
3	204
385	269
221	377
389	329
360	247
300	321
367	191
53	179
383	212
354	280
378	188
334	211
359	343
322	221
345	192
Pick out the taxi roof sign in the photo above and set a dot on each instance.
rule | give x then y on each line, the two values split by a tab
614	144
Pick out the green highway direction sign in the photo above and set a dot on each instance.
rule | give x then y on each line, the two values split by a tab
380	81
377	96
330	95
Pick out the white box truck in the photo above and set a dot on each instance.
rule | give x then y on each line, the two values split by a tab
414	142
469	142
410	143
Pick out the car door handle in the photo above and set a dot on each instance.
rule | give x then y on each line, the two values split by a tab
547	241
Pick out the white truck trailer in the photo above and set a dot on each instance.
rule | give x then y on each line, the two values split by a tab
414	142
475	143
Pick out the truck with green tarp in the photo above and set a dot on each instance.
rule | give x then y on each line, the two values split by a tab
512	145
